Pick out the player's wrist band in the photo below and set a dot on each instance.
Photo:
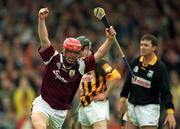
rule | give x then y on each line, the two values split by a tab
170	111
122	99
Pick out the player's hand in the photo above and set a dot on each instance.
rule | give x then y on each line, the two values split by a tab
122	108
171	121
43	13
110	33
100	97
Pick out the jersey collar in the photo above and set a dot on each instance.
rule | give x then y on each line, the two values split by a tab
151	62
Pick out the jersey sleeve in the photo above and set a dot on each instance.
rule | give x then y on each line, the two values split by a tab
126	87
113	75
163	78
105	69
47	54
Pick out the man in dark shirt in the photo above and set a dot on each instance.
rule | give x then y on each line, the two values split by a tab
62	75
146	88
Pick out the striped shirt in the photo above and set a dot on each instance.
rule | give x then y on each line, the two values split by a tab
94	82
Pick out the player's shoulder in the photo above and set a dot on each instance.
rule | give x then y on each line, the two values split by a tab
103	67
160	64
102	62
135	61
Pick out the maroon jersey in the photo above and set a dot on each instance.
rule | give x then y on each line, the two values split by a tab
59	84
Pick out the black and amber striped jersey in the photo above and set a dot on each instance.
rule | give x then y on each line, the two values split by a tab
94	82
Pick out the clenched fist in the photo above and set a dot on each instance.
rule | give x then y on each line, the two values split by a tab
110	33
43	13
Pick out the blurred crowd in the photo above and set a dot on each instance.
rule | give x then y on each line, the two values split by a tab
21	67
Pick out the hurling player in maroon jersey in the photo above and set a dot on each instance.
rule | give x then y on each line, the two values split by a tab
62	75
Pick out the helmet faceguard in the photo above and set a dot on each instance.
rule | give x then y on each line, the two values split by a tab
71	50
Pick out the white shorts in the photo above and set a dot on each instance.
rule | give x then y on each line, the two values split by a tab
145	115
96	111
56	117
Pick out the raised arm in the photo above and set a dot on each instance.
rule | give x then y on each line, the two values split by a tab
42	30
110	33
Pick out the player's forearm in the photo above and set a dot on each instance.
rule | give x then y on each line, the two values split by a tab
103	49
111	86
43	34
